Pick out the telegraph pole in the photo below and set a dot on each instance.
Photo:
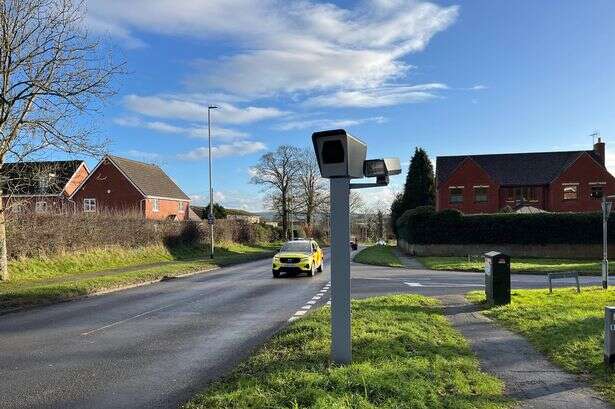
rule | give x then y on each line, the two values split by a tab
210	216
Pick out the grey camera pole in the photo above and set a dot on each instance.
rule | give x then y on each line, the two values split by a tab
605	261
340	271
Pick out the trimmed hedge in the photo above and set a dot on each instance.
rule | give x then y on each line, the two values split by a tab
425	226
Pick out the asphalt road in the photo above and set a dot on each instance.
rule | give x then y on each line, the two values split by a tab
148	347
156	346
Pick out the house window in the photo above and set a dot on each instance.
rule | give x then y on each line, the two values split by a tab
480	194
40	207
597	192
571	192
89	205
523	194
180	207
455	195
154	205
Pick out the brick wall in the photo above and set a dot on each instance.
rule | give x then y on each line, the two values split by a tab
584	171
166	208
112	191
469	175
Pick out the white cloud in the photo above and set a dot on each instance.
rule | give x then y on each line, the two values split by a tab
238	148
478	87
609	160
232	199
144	156
379	198
378	97
193	131
326	123
286	46
172	107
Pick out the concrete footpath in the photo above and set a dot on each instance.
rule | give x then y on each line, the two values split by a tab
529	377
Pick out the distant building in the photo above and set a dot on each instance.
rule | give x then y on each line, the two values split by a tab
41	187
238	214
570	181
124	185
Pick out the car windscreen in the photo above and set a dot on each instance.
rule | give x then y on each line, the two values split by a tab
296	246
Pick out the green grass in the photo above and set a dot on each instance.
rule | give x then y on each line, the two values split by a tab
405	355
518	265
566	326
44	280
379	256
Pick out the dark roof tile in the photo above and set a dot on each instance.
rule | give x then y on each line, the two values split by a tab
149	178
539	168
37	178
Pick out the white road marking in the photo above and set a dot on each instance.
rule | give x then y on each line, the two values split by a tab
310	303
433	284
113	324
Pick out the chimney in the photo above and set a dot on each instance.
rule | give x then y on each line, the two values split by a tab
599	150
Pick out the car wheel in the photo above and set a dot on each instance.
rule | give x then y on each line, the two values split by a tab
276	274
320	267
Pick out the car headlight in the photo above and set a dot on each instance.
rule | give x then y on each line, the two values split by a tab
305	258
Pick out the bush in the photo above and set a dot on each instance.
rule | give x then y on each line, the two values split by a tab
35	235
425	226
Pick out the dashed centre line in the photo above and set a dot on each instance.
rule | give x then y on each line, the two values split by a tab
308	305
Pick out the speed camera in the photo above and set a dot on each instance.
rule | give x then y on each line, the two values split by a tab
339	154
374	168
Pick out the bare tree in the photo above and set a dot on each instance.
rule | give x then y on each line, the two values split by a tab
52	73
277	172
313	189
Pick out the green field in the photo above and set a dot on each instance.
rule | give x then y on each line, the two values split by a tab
378	256
44	280
517	265
566	326
405	355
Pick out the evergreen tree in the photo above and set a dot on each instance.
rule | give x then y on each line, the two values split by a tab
219	211
420	187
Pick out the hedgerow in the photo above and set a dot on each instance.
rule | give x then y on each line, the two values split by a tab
424	225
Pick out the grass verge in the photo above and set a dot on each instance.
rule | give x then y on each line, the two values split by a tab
47	280
566	326
378	256
518	265
405	355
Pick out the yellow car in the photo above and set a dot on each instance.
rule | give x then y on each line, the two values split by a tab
298	256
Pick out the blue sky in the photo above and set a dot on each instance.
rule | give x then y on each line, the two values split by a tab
478	76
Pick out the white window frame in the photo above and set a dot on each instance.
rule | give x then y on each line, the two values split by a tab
450	195
155	205
40	207
477	187
89	205
180	207
570	185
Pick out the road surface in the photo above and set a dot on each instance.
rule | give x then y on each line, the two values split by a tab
156	346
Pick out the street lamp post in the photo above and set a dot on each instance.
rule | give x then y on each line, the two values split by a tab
210	216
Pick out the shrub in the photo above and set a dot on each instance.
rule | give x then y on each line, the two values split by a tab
424	226
36	235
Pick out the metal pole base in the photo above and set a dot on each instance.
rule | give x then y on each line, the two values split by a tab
341	348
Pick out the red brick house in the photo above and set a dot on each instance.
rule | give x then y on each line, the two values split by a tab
123	185
41	187
553	181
